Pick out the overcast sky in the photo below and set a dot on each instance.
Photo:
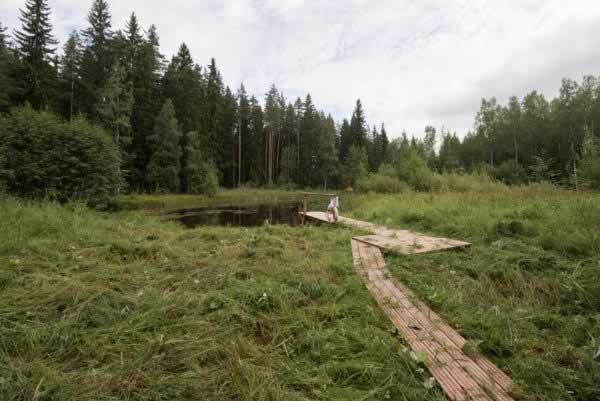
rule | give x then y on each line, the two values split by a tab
412	63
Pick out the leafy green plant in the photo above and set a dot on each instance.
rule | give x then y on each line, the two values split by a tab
43	156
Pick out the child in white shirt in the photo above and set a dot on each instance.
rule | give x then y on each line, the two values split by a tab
332	209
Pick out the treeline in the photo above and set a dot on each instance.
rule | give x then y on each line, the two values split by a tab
177	127
534	139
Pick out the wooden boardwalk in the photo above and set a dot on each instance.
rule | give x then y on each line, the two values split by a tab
400	241
461	377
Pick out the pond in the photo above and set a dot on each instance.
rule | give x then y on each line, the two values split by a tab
240	216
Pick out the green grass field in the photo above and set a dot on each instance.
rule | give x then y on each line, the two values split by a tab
122	306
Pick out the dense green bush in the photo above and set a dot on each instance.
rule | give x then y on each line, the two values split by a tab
43	156
413	170
204	179
381	183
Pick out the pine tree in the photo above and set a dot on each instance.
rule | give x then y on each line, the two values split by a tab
254	146
183	82
429	146
384	143
243	134
97	62
147	67
345	139
34	44
9	68
274	119
70	79
230	123
133	43
213	117
163	166
114	111
374	143
358	127
309	142
3	39
327	152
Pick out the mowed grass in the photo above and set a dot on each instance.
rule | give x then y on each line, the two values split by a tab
527	294
125	307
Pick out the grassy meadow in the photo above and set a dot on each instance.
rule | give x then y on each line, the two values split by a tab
124	306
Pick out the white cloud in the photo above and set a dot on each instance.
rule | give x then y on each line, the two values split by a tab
412	63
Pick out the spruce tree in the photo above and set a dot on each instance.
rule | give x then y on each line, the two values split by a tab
34	44
358	127
183	82
255	144
345	139
3	38
274	117
97	59
429	146
309	141
8	70
327	152
114	111
147	67
70	79
133	42
373	150
213	118
230	122
163	166
384	144
243	134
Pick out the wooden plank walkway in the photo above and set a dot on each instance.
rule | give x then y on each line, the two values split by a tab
462	377
400	241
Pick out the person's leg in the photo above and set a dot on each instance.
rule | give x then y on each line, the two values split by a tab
328	214
335	214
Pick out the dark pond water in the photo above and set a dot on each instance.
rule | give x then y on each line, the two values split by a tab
246	216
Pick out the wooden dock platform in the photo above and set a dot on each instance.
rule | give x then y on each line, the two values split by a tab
462	377
400	241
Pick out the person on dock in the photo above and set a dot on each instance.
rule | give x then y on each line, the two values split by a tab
332	209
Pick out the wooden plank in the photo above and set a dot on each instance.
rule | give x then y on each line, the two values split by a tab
460	376
407	243
400	241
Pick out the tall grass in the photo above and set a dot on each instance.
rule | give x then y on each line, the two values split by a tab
124	307
527	292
